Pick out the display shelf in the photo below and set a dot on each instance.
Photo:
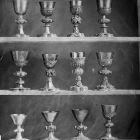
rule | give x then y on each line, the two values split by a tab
65	92
69	39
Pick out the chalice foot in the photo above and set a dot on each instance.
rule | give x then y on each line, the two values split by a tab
104	35
78	89
109	138
81	137
76	35
19	139
21	35
51	138
49	35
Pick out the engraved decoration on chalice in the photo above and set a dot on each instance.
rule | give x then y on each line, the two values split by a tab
109	112
50	61
80	115
20	59
47	9
105	60
20	8
50	117
18	120
78	60
104	9
76	9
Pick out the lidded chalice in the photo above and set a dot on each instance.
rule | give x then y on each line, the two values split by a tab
109	112
80	115
50	117
104	9
20	8
47	9
76	7
105	60
18	120
50	61
21	59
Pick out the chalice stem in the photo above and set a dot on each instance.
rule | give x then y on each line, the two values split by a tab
104	26
20	24
76	29
20	28
78	80
51	135
47	29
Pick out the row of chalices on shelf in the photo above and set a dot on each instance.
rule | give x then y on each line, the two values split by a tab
76	7
108	111
78	60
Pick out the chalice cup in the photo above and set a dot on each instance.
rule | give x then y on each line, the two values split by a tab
104	9
20	8
76	7
105	60
50	61
18	120
47	9
20	59
109	112
80	115
78	60
50	117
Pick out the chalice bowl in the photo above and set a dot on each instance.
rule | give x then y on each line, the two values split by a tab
104	9
76	9
50	61
105	60
20	59
20	8
80	115
78	60
50	117
47	9
109	112
18	120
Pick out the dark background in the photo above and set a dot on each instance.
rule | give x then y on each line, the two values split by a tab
125	69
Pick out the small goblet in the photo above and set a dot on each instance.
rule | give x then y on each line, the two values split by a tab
50	61
20	8
109	112
47	8
104	9
20	59
105	60
76	10
18	120
50	117
78	60
80	115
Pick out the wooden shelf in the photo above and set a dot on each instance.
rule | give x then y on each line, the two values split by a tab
69	39
64	92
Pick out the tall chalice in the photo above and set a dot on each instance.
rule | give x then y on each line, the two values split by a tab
20	8
105	60
104	9
76	9
50	117
20	59
80	115
47	9
109	112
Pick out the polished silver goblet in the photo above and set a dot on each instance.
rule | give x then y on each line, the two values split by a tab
76	9
18	120
50	117
20	59
47	9
104	9
109	112
105	60
80	115
20	8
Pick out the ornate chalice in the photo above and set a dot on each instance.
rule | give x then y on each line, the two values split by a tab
20	59
20	8
47	8
80	115
105	60
18	120
104	9
78	60
50	117
76	10
109	112
50	61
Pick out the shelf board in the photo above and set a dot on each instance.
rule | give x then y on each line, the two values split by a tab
69	39
64	92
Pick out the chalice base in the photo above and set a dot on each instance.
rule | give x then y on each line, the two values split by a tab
80	138
51	138
105	87
50	90
20	88
104	35
49	35
21	35
76	35
108	138
19	139
79	89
